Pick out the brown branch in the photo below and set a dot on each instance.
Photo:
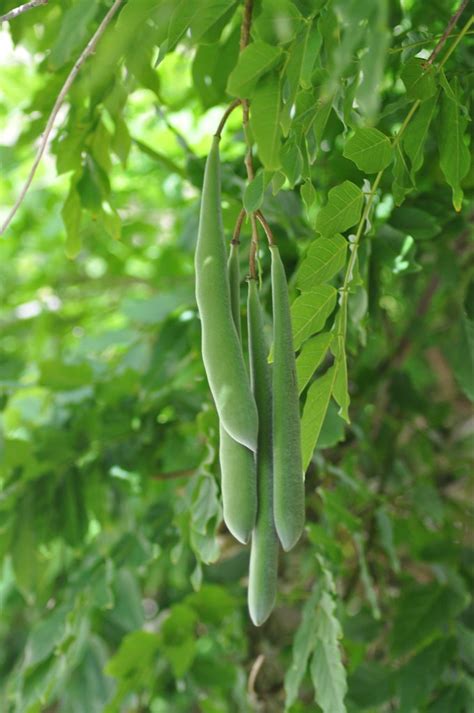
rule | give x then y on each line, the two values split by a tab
17	11
441	42
266	228
226	115
88	50
238	225
244	40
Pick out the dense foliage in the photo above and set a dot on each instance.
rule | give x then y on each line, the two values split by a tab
121	589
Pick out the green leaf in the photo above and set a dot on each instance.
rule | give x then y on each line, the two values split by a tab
455	157
71	215
265	121
372	64
332	430
314	412
136	653
310	311
308	194
303	646
256	60
199	16
370	150
402	181
319	634
327	670
416	132
366	577
415	222
342	210
73	32
421	614
291	161
254	192
385	531
311	356
341	389
419	79
325	258
179	638
421	675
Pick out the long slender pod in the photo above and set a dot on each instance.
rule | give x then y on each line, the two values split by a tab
221	349
238	468
264	548
289	509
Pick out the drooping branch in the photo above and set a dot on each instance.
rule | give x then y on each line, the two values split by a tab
88	50
17	11
441	42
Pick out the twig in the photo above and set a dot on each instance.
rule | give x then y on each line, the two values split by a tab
244	40
226	115
441	42
88	50
17	11
254	671
238	225
266	228
159	157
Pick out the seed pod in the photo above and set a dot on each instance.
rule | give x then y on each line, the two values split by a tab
221	349
264	549
238	469
287	465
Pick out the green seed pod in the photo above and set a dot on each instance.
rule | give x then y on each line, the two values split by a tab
264	549
221	349
238	469
238	486
289	509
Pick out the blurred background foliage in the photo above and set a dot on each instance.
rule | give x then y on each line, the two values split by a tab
121	589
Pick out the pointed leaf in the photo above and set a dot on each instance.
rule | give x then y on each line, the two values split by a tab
455	157
326	256
256	60
419	79
314	411
342	210
311	356
310	311
370	150
264	121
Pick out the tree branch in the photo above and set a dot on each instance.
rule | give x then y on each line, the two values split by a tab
441	42
88	50
17	11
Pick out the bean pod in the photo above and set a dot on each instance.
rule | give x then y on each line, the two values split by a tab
264	548
288	470
221	349
238	469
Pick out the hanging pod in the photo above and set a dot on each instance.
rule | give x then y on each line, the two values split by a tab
238	469
288	475
264	547
221	349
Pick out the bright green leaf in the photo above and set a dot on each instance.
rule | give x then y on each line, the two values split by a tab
310	311
370	150
325	258
342	210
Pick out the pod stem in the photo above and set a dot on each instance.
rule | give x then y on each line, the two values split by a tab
233	105
268	231
238	225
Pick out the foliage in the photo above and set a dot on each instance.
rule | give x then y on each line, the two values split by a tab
121	590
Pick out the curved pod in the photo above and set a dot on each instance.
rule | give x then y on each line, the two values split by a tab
287	464
264	548
221	350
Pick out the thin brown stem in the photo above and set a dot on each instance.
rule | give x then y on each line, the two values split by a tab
238	225
244	40
226	115
17	11
441	42
268	231
87	51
